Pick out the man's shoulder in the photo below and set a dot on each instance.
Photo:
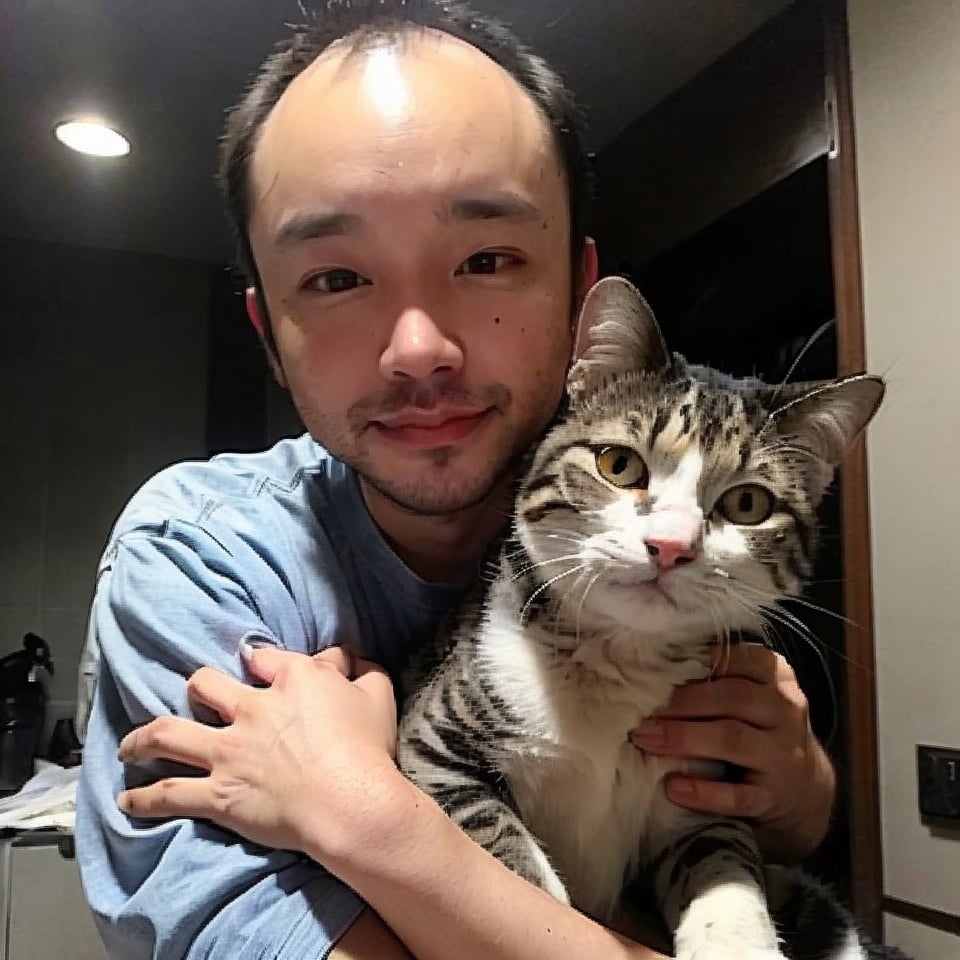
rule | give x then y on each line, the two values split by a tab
272	481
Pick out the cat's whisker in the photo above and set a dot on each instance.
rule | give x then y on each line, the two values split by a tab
768	612
588	588
523	571
557	615
814	646
811	340
722	629
546	585
769	597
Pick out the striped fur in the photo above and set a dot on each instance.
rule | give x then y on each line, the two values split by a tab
518	722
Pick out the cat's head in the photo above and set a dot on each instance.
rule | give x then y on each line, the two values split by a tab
675	498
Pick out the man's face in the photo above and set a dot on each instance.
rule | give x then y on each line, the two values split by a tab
411	227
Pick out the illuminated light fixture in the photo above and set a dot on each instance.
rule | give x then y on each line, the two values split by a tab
93	137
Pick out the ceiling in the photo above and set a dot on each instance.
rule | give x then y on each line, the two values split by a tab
164	72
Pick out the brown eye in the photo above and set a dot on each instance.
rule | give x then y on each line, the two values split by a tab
623	467
746	505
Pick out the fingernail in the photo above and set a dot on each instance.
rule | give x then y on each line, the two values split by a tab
680	787
651	732
123	804
249	644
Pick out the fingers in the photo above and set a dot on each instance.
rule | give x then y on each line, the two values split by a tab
746	700
376	684
348	663
211	688
173	797
726	739
264	661
752	661
170	738
723	799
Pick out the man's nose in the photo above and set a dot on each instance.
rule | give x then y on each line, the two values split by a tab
418	348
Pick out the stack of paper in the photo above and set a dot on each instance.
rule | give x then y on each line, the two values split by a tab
47	800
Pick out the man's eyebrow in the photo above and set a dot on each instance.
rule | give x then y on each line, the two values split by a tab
501	205
309	225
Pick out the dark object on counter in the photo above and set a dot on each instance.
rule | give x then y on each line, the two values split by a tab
23	704
65	748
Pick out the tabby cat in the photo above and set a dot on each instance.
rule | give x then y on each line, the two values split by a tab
668	505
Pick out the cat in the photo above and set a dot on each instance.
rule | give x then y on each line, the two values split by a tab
667	505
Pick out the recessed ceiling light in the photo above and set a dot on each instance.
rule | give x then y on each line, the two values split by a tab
93	137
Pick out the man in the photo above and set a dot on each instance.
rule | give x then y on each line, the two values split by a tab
412	217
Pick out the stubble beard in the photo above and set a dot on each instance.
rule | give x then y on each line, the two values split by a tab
440	487
440	496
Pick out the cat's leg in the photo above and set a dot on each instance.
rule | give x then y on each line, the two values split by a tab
480	807
708	879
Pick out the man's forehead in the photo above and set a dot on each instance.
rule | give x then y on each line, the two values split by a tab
352	52
422	113
387	79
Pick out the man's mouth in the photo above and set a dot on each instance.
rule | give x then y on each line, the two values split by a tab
430	428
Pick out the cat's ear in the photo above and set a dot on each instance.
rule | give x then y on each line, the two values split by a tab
827	419
616	332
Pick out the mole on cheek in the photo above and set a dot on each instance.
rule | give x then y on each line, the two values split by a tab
496	319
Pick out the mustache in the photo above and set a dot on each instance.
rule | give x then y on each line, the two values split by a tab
409	395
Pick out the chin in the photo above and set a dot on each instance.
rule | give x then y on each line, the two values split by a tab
432	492
438	482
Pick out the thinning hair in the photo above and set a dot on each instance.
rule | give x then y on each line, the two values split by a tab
361	24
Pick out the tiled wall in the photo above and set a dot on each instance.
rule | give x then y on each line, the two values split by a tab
103	360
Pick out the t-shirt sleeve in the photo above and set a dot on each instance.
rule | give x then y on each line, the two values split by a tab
169	600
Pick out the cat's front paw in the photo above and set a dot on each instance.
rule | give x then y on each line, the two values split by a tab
714	943
709	951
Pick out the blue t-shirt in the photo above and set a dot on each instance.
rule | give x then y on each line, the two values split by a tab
277	545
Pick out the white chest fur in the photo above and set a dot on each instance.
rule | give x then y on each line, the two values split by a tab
583	789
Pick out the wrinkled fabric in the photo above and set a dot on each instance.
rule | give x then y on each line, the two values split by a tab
276	546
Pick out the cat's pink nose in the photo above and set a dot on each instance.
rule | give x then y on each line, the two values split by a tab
669	553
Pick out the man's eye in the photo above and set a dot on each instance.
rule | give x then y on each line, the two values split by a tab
486	262
335	281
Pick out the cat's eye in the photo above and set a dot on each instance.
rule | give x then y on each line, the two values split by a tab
623	467
746	505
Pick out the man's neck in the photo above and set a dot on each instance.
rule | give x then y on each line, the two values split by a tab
442	549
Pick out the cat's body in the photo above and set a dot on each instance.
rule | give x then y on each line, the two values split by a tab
622	566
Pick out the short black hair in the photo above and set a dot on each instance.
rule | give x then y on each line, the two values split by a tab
365	22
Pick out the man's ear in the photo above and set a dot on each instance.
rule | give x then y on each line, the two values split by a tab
589	268
257	319
253	310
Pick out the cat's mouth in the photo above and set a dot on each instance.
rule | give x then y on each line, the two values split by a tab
651	588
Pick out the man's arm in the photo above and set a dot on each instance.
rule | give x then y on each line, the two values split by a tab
369	938
438	890
341	800
167	601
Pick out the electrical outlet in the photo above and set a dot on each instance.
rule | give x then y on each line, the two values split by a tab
938	783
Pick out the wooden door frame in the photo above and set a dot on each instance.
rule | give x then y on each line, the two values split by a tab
866	859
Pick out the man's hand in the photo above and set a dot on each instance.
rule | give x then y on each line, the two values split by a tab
753	714
325	726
